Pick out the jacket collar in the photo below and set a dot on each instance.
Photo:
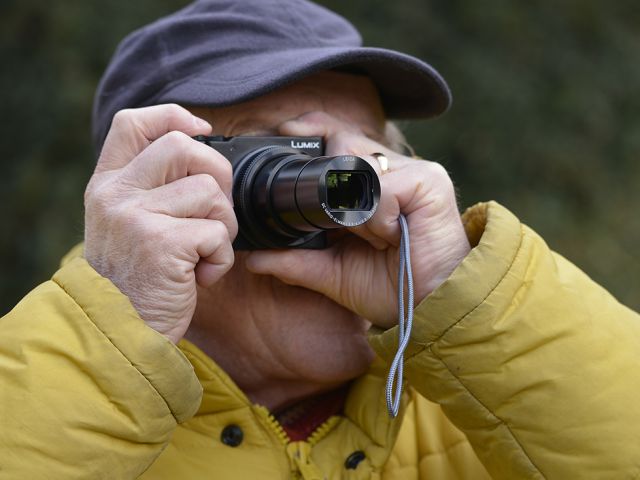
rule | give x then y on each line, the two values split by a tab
365	405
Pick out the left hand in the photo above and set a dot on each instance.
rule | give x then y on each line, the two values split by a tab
360	271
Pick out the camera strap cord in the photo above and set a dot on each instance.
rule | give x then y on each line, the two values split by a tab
404	323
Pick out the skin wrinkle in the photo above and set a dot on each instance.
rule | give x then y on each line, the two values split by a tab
280	357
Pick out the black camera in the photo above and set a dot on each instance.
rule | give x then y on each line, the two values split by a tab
286	193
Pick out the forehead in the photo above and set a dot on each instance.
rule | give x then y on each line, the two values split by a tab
351	98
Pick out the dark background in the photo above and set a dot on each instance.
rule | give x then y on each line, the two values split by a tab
545	118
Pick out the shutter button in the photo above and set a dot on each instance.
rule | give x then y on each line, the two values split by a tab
232	435
354	459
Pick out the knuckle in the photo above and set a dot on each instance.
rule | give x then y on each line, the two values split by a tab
176	140
89	191
220	231
98	204
224	175
106	191
437	180
226	232
218	235
343	137
232	228
436	170
442	176
347	142
317	117
228	257
125	215
207	184
97	197
173	111
227	170
124	117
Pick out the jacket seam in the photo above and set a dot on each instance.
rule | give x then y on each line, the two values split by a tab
88	317
507	270
493	289
500	420
445	450
470	312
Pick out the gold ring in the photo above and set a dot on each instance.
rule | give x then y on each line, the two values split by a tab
383	161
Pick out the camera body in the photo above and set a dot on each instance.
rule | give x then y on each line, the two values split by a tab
287	193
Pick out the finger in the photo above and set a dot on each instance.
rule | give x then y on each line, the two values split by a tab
340	139
291	267
371	238
207	244
382	229
195	196
174	156
132	130
384	226
423	186
216	252
316	124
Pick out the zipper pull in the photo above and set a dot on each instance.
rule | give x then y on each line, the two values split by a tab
300	453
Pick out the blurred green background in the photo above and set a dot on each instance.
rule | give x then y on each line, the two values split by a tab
545	118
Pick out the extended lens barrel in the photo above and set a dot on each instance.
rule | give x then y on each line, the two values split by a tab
284	197
324	193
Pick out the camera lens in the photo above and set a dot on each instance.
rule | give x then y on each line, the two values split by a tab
348	190
284	197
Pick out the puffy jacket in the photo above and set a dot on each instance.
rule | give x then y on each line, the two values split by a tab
518	360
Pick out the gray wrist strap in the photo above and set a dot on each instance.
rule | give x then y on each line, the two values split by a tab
404	324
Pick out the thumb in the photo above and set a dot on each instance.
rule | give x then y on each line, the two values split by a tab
316	270
132	130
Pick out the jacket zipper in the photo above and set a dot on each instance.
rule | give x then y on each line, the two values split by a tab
274	425
322	431
299	451
318	434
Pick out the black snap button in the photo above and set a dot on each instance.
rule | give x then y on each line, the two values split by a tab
354	459
232	435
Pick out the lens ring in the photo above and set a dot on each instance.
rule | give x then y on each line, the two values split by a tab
317	210
253	224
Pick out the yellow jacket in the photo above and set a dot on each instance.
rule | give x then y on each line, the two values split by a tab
535	365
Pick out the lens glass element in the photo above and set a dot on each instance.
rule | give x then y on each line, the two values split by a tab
348	190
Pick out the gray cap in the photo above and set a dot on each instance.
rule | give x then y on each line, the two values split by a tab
220	52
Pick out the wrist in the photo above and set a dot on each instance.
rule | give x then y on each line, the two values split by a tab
451	262
440	261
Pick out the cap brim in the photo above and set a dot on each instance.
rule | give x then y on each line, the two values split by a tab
409	88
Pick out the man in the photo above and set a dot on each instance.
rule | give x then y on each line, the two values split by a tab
283	354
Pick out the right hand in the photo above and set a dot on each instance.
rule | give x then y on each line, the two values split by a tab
159	218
